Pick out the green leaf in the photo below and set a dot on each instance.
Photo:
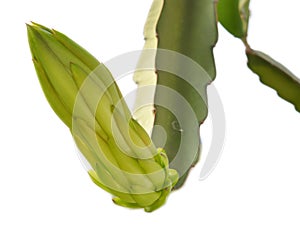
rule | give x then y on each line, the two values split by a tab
189	28
276	76
234	16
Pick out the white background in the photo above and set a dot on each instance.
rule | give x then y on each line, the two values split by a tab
46	194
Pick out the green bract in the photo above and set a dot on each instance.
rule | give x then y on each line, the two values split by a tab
121	157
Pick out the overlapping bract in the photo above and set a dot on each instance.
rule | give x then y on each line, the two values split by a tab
82	92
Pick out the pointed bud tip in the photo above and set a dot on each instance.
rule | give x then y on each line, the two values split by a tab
29	27
33	28
31	33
